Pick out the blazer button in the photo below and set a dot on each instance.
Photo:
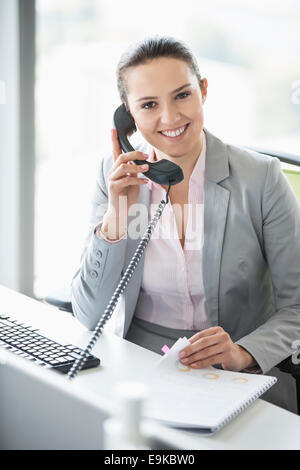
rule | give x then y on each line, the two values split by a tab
94	274
99	253
97	264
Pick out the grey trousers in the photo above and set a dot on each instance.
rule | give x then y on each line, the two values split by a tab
154	337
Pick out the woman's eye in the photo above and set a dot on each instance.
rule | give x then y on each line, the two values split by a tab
148	105
152	104
183	95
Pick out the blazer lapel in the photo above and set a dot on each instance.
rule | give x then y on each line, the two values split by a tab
216	200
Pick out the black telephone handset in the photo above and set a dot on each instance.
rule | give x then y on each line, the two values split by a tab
162	172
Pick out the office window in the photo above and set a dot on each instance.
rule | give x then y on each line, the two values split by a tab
249	52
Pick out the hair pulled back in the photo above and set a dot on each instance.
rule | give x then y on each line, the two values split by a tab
149	49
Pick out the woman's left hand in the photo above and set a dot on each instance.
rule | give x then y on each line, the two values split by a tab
214	346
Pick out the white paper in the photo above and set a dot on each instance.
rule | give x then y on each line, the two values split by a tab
204	397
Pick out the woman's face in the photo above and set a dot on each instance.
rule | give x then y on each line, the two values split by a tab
166	102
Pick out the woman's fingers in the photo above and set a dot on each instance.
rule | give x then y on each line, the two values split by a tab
206	353
130	157
120	184
123	177
116	147
204	339
125	169
208	332
215	346
119	156
208	361
205	346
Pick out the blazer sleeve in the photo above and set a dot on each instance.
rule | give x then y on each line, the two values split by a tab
101	264
273	341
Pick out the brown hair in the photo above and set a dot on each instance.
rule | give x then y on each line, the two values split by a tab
152	48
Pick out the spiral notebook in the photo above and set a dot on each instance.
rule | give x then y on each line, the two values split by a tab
205	399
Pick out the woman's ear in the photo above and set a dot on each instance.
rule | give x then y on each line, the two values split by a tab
203	87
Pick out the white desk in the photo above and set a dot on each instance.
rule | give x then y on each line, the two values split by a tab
261	426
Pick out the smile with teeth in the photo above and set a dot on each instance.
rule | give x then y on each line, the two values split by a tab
175	132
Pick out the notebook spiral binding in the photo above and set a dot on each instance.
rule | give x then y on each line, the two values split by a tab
247	403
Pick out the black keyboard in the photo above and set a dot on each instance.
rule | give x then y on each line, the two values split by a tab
27	343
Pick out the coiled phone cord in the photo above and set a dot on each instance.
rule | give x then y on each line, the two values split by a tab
78	364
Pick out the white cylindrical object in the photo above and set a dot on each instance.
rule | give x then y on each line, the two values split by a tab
123	431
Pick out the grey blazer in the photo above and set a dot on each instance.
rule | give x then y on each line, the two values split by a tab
251	254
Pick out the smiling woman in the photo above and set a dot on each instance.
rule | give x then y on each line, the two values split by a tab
79	43
172	122
167	111
234	295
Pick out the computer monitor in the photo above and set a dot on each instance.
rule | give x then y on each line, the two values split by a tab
42	409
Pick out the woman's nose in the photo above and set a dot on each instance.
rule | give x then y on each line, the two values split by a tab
169	116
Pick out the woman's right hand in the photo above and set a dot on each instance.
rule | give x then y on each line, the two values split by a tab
123	182
123	177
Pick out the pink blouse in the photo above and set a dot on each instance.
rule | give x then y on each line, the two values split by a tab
172	292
